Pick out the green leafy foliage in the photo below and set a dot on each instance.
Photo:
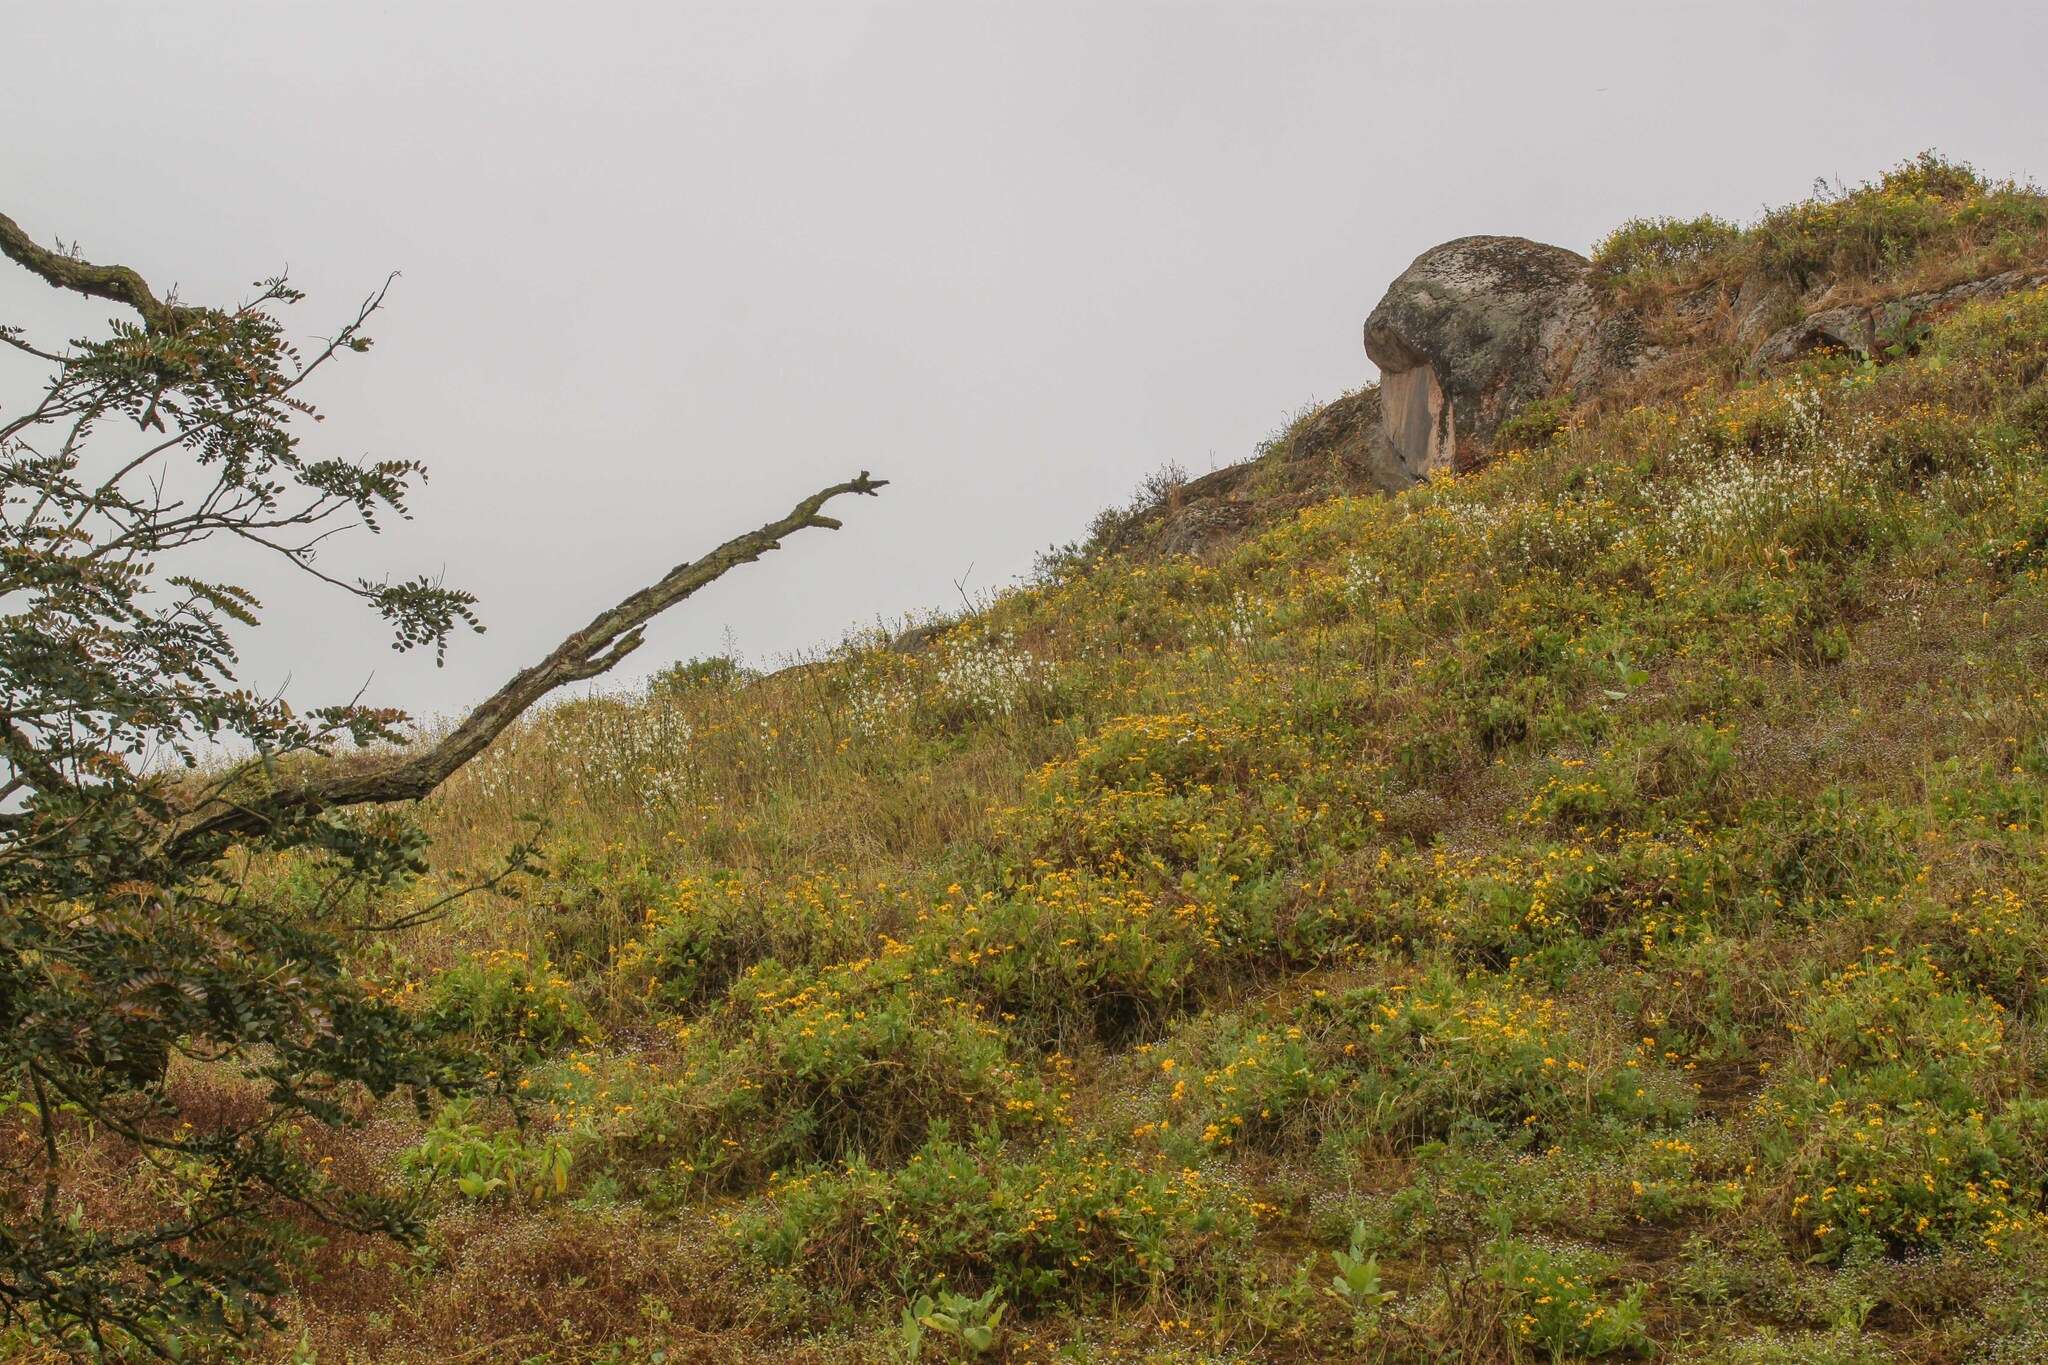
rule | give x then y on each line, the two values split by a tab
973	1322
1072	1220
135	948
1356	1284
1535	425
506	1002
481	1163
1555	1302
1924	205
1663	245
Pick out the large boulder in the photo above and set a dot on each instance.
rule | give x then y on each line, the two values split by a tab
1474	330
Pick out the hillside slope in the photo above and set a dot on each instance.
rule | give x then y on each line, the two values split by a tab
1589	904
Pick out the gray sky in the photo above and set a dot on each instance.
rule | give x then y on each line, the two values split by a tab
668	267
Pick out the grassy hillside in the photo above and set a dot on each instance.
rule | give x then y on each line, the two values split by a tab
1593	906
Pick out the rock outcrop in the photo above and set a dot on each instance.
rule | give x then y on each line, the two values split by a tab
1838	329
1338	448
1865	329
1474	330
1349	438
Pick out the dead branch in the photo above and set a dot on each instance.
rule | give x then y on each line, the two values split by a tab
612	635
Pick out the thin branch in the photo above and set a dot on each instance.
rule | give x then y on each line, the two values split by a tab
610	637
12	337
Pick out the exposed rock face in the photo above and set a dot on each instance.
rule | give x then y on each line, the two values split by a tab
1420	427
1474	330
1863	330
1339	448
1835	329
1761	302
1349	437
1211	511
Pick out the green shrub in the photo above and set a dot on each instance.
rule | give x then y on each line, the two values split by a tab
1068	1223
2028	413
1239	1086
1930	175
1828	532
1553	1302
483	1163
1686	771
1922	206
1356	1284
1896	1025
701	933
594	900
858	1061
1899	1177
1581	798
2019	550
1535	425
1444	1057
510	1003
712	673
1993	939
973	1322
1663	245
1890	1116
1923	441
1089	956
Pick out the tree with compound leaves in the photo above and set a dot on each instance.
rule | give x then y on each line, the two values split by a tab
133	944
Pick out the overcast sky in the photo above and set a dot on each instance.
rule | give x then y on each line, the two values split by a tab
667	267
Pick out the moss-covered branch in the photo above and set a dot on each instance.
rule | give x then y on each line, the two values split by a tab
114	282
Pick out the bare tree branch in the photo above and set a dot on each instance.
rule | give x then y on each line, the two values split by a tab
115	282
610	637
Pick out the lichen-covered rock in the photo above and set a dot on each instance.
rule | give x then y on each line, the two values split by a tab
1347	437
1916	307
1832	329
1762	303
1208	517
1473	331
1336	449
1866	329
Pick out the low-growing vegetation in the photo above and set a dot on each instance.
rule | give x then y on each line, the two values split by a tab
1595	906
1927	221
